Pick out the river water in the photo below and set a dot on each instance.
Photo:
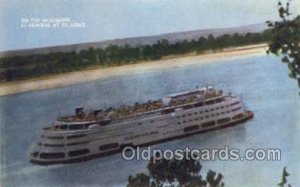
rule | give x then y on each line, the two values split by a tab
260	80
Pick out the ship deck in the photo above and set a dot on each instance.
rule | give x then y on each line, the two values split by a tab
141	108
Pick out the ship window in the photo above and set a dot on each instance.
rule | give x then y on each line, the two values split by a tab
79	152
237	116
184	121
40	144
222	106
196	119
198	104
223	120
63	127
234	103
191	128
104	122
213	115
76	136
55	137
189	114
210	102
206	110
75	127
183	115
195	113
87	125
54	145
151	121
77	143
212	109
178	123
52	155
187	106
208	124
167	111
190	120
206	116
236	109
35	154
217	108
108	146
139	123
219	100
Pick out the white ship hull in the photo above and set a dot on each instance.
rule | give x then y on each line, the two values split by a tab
79	145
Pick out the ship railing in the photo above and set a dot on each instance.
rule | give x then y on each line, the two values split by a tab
139	109
183	104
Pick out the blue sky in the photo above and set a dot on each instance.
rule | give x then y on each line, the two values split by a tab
110	19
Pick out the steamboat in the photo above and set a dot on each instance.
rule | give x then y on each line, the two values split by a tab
87	135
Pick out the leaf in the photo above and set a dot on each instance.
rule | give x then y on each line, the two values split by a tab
285	59
281	11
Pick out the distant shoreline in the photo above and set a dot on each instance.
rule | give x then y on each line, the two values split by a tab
61	80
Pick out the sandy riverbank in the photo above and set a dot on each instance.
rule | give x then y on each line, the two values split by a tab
60	80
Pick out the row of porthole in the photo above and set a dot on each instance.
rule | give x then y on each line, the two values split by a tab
80	152
62	145
200	118
207	124
199	104
61	137
195	113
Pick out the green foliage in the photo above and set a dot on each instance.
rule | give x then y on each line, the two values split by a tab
24	67
171	170
182	173
283	181
285	39
214	180
176	173
141	179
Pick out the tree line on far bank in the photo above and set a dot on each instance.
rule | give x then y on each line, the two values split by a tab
24	67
